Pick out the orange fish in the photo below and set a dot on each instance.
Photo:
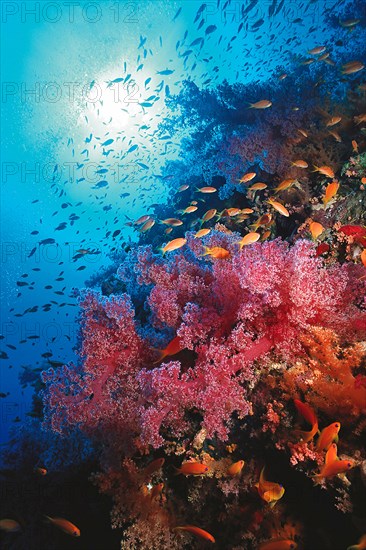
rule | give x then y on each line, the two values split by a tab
247	177
349	23
263	104
302	132
153	467
183	188
265	235
9	525
285	184
174	222
282	76
308	61
316	229
41	471
209	215
300	164
202	233
269	491
330	191
173	245
197	531
280	544
327	436
317	50
65	526
309	415
247	211
142	220
325	170
355	146
174	347
331	454
359	119
333	121
361	545
324	57
265	220
206	189
216	252
192	469
352	67
168	230
147	225
236	468
363	257
306	412
334	468
188	210
258	186
336	136
279	207
231	212
250	238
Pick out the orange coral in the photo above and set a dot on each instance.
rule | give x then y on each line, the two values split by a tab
327	376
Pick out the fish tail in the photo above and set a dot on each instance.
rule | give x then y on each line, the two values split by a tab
161	356
317	478
47	519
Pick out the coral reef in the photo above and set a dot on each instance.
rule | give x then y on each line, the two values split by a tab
269	323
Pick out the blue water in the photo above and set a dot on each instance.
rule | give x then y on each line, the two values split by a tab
60	104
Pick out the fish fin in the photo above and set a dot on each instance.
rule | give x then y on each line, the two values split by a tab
177	471
336	439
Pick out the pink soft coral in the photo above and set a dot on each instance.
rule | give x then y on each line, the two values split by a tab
229	314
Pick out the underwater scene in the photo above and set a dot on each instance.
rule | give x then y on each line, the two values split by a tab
183	275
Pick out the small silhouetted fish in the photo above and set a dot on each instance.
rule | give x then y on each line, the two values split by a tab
176	15
210	29
80	269
47	241
166	72
3	355
100	184
258	23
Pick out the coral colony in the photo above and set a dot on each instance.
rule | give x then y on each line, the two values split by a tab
220	384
